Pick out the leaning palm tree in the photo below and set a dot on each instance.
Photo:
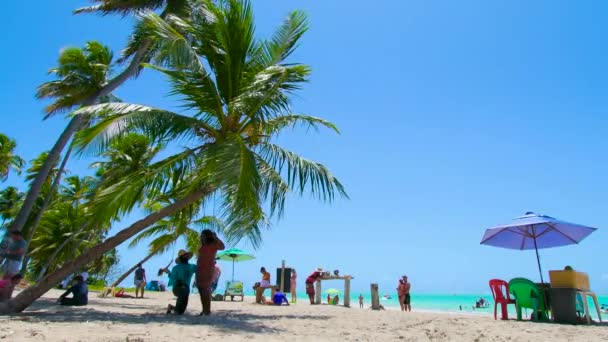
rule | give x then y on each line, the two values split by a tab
8	159
81	76
138	50
237	91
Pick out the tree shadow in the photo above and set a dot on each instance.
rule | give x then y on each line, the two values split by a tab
46	310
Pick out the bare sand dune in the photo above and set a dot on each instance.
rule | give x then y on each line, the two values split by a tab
121	319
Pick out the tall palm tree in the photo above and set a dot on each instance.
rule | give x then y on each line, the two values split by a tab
138	50
237	89
8	159
81	74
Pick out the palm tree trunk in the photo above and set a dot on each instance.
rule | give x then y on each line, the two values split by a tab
47	200
74	126
29	295
41	177
126	274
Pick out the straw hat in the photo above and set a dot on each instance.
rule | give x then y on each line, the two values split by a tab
184	253
319	269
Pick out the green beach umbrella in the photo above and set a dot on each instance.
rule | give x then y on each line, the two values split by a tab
234	255
332	291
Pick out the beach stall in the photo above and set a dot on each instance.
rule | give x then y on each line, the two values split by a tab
336	276
533	231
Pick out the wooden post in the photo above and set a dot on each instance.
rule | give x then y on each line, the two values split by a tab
318	291
282	285
347	292
375	297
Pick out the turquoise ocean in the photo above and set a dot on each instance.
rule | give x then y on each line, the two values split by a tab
454	303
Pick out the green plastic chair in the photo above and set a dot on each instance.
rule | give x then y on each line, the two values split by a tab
528	295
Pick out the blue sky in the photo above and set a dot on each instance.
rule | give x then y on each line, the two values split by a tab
455	116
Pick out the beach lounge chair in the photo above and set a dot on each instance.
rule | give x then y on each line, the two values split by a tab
500	293
234	289
528	295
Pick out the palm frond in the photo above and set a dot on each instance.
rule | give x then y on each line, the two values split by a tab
119	119
160	227
121	7
120	198
198	92
302	173
284	41
162	243
266	96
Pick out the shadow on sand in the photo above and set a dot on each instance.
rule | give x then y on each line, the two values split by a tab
46	310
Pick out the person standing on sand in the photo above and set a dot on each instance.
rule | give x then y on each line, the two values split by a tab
140	280
310	284
179	279
294	277
13	255
265	277
401	294
406	294
205	265
360	301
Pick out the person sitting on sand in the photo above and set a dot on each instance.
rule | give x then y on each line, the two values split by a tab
336	300
120	293
140	280
80	293
210	244
279	298
7	286
310	284
180	278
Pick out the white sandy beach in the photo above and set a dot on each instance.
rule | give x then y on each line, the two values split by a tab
122	319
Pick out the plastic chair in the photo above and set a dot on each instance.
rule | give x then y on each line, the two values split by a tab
528	295
583	296
234	289
500	293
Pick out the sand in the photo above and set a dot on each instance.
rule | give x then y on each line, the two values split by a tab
121	319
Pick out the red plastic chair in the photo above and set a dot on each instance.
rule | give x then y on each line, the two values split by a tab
500	292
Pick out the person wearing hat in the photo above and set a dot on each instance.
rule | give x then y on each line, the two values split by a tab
179	280
310	284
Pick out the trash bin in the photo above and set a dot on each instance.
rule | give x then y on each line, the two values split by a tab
563	305
287	283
